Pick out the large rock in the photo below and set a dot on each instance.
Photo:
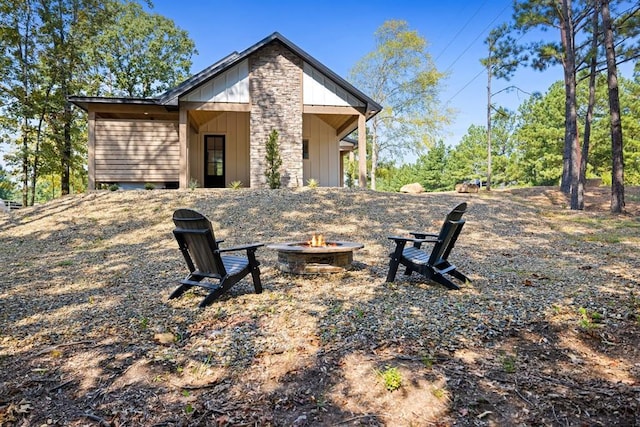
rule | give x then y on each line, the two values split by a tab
467	188
413	188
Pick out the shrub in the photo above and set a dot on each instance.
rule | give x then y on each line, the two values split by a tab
149	186
274	161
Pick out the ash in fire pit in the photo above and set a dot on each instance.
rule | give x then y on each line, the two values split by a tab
315	256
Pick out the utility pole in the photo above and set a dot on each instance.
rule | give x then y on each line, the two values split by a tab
489	117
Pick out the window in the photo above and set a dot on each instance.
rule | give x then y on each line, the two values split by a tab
305	149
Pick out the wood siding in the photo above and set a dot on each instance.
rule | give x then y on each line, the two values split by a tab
230	86
323	164
136	151
235	128
318	89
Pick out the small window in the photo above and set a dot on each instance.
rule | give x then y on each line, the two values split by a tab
305	149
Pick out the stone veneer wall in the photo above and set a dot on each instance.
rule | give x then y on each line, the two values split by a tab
275	88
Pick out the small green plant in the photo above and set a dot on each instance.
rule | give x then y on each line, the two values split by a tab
274	161
189	409
439	393
193	184
391	378
428	361
589	320
143	322
312	183
149	186
236	185
114	187
65	263
508	363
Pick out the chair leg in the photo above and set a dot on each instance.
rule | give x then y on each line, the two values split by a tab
439	278
212	296
394	263
184	287
460	276
255	274
254	266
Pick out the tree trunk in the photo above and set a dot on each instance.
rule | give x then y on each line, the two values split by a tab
571	167
617	166
591	103
66	153
25	164
489	120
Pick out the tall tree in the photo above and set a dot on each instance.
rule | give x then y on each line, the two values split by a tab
401	76
6	186
142	53
530	15
19	71
540	136
67	26
617	168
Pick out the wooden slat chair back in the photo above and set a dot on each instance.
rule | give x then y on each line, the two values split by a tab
433	265
205	259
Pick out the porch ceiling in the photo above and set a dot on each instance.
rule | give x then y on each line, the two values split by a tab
340	122
201	117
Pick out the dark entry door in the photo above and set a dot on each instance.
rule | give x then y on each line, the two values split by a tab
214	161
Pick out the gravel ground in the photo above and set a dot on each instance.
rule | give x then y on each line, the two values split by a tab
546	333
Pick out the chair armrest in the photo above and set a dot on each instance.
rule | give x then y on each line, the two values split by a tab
421	235
253	246
407	239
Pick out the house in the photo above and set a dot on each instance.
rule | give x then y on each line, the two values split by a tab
212	129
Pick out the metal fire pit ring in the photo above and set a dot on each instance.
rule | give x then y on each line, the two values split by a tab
301	258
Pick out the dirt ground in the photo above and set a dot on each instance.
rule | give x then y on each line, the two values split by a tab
546	333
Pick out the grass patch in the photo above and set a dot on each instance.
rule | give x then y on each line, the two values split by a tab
391	378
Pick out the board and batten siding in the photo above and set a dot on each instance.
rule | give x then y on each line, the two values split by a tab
318	89
235	128
231	86
323	164
136	151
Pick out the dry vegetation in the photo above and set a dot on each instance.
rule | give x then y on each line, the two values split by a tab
547	333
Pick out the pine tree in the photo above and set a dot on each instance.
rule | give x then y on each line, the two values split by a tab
274	161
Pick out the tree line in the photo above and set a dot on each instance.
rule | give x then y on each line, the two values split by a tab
52	49
527	145
589	39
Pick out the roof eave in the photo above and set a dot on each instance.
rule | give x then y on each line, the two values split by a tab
84	101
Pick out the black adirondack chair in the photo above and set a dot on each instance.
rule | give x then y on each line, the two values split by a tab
205	258
435	265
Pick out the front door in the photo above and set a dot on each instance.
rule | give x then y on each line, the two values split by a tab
214	161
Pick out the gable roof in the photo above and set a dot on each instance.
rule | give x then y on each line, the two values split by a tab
169	99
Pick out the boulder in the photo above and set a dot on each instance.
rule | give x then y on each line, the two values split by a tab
413	188
467	188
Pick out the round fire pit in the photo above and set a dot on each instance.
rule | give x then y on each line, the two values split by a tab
303	258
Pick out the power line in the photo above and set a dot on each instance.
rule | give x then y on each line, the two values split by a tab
460	30
465	86
477	37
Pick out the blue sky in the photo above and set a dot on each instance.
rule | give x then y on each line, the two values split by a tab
339	33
